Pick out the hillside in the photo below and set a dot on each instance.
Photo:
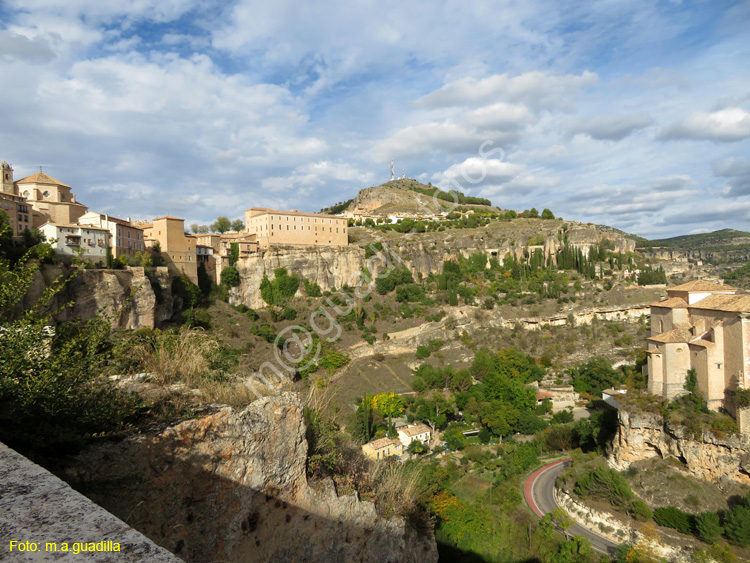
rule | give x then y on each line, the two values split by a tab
407	196
724	239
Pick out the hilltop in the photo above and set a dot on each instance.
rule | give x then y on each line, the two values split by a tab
408	196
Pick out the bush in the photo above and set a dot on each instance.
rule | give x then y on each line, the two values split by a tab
312	289
707	527
737	525
289	314
562	417
196	318
265	331
605	484
529	423
230	277
281	289
423	352
640	511
673	517
409	293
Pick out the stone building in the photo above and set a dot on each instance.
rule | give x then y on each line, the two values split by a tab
407	434
15	206
85	241
284	228
125	238
705	327
383	448
51	200
177	248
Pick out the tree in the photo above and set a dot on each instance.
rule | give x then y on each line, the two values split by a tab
547	214
54	391
737	525
221	225
230	277
389	404
707	527
203	229
281	289
237	225
194	228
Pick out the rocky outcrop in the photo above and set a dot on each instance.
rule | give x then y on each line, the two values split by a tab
129	298
328	267
642	435
232	486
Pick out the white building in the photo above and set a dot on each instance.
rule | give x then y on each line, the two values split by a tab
126	239
66	239
407	434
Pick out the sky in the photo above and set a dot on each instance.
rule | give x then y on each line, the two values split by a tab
633	114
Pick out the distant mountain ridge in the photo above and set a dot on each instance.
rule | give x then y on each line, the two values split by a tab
724	239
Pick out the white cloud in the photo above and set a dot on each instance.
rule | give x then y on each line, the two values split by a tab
737	172
610	127
726	125
535	89
20	47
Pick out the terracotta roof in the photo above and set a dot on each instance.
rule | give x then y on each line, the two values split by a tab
730	303
169	217
383	442
702	343
414	430
300	213
653	351
41	178
672	336
544	395
671	303
702	285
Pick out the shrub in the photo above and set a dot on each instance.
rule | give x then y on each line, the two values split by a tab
707	527
230	277
605	484
640	510
289	314
409	293
265	331
737	525
332	361
312	289
196	318
281	289
423	352
252	314
673	517
562	417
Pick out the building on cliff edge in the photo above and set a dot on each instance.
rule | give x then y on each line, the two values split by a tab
295	228
705	327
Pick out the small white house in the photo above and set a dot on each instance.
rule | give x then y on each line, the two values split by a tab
407	434
66	240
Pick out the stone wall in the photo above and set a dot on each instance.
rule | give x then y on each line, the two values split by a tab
37	507
646	435
232	486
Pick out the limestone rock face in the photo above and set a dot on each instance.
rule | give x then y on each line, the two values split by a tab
328	267
645	435
232	486
126	297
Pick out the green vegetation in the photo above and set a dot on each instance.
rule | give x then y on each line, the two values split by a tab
649	276
281	289
715	239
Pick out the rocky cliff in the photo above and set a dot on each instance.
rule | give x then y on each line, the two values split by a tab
645	435
128	297
329	267
232	486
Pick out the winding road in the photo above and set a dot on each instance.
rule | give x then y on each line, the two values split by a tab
539	492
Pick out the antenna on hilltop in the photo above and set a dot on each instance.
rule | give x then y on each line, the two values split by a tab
403	172
393	177
40	169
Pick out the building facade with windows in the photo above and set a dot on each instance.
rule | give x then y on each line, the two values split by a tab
15	206
283	228
85	241
705	327
177	248
383	448
126	239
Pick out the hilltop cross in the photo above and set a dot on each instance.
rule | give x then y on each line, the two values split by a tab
393	176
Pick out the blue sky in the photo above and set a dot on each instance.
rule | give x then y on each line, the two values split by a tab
634	114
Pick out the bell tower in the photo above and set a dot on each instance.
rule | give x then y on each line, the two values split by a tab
7	178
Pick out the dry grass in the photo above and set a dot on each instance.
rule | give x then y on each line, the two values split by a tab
183	357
